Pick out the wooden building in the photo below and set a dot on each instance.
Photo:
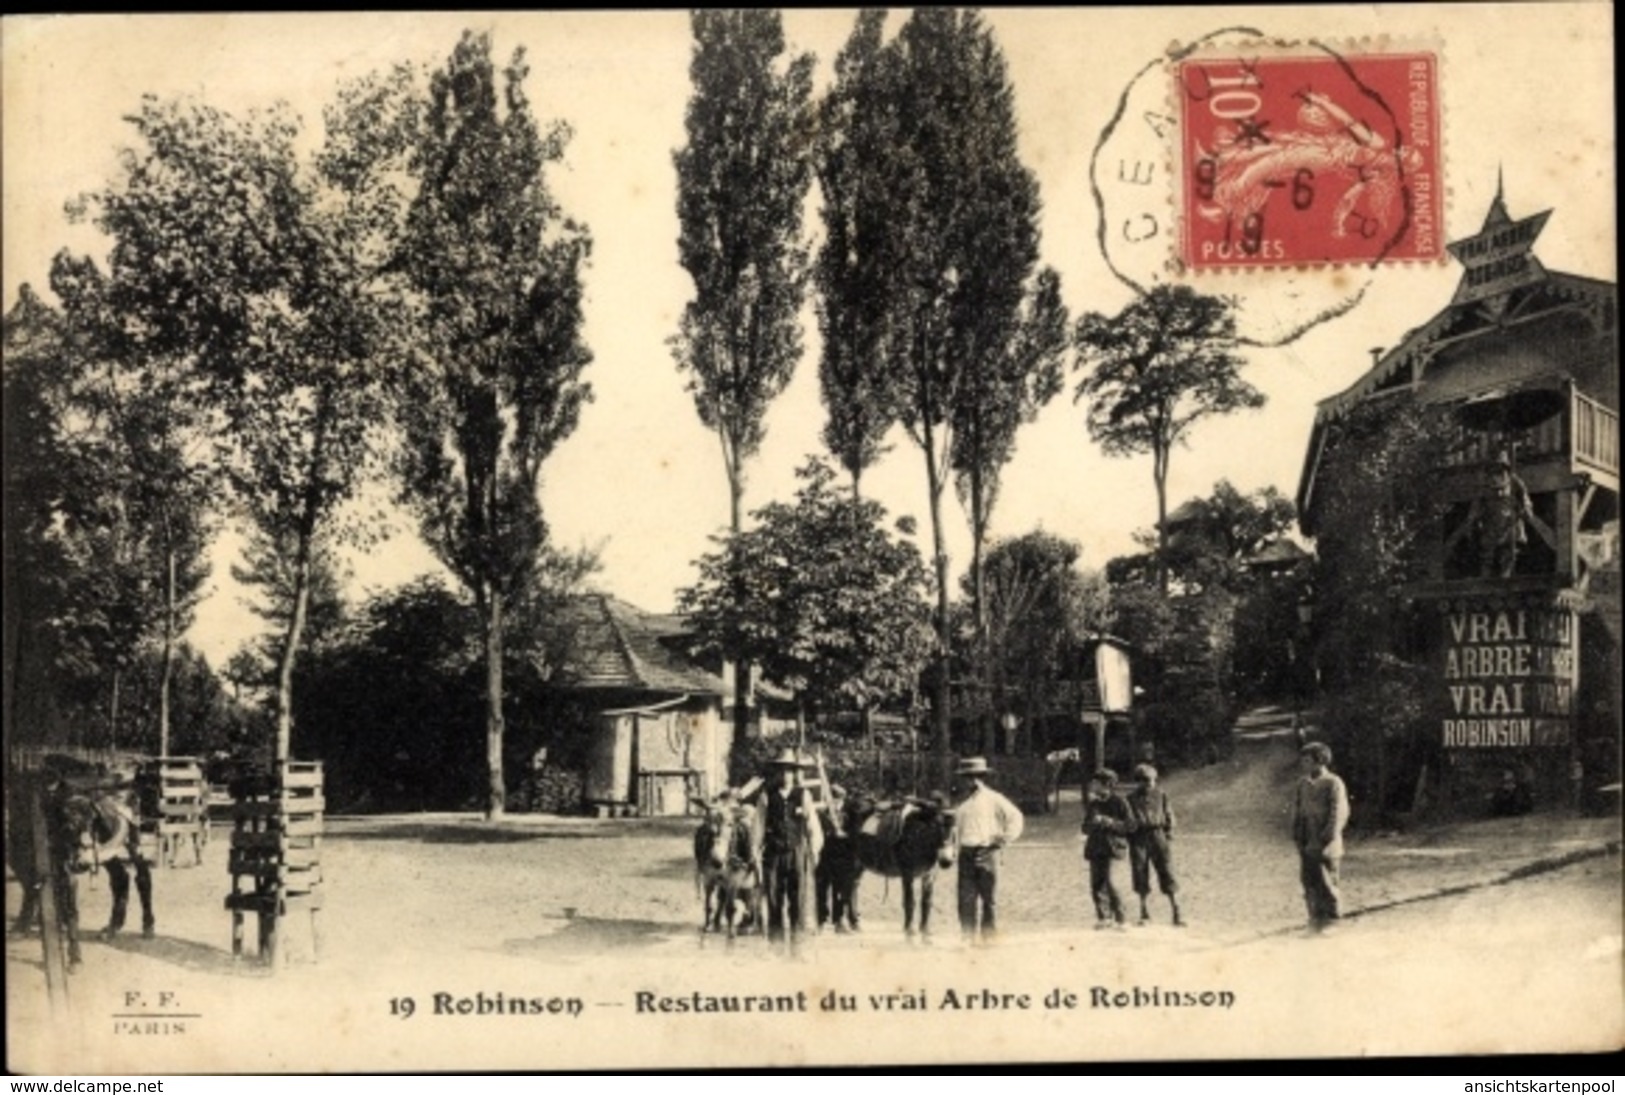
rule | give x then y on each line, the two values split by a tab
658	736
1517	605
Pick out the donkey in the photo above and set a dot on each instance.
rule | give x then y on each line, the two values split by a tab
728	867
910	842
88	824
107	834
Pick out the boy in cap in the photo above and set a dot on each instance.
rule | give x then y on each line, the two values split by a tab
1320	810
1106	826
985	821
1148	844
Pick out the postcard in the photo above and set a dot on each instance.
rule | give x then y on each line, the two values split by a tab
1374	193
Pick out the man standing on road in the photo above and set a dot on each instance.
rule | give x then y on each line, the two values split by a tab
790	830
1320	810
1148	844
985	821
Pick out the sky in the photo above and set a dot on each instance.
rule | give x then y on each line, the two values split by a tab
1524	95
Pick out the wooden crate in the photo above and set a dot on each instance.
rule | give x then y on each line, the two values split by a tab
275	860
174	807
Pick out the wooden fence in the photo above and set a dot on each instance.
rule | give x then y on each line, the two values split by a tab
1027	781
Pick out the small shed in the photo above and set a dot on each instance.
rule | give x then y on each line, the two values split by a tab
657	735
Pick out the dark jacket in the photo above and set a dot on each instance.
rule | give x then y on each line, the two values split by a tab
1107	824
782	814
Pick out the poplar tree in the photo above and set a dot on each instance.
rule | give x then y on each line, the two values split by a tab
961	242
498	272
857	127
742	178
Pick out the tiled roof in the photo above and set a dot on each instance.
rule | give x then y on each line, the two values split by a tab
618	645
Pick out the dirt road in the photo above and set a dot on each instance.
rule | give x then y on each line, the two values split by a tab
596	911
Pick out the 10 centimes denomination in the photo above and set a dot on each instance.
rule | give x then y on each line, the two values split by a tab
1310	158
1283	174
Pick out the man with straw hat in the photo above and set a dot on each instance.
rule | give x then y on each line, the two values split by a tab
985	821
790	838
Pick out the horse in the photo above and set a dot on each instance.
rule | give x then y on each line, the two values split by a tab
728	867
911	842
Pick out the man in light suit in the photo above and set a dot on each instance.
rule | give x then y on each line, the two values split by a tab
1320	810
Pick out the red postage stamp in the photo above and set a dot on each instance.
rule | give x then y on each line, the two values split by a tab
1309	159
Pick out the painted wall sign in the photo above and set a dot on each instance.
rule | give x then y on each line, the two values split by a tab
1509	677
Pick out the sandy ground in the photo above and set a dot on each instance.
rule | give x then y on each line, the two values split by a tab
439	909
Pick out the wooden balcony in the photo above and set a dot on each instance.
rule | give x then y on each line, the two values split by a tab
1578	439
1595	449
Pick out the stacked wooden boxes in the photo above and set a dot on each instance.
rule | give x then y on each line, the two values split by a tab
174	806
276	848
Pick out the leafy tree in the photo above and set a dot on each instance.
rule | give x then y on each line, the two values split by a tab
958	239
857	127
499	270
1003	390
150	421
204	717
1376	519
390	703
742	179
1210	540
269	575
244	670
1039	606
1160	366
236	255
819	594
1219	619
41	490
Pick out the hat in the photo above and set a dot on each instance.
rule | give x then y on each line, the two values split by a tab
1104	775
788	758
973	766
1144	772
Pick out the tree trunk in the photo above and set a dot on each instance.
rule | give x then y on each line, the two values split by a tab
290	651
16	624
112	709
940	719
496	802
742	689
1159	471
984	650
168	669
